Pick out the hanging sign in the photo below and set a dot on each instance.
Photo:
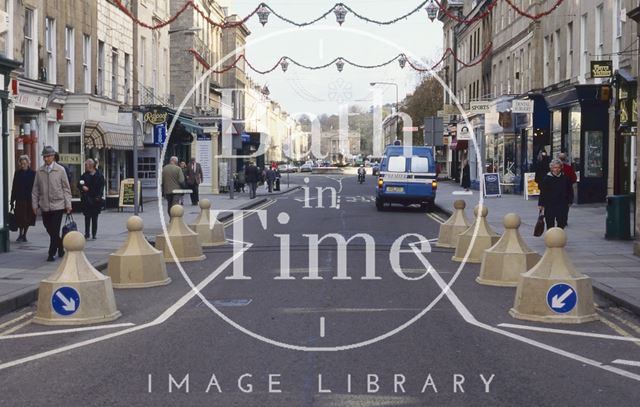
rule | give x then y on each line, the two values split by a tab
522	106
155	117
602	69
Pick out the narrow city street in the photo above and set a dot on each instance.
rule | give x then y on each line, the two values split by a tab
416	331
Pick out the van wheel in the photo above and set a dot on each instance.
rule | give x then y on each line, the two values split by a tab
379	204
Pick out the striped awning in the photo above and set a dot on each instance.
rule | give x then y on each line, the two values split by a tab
109	135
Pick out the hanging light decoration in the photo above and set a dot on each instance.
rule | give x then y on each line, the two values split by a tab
263	14
284	64
432	10
340	64
402	60
340	11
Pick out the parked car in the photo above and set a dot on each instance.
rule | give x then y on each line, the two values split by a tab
306	167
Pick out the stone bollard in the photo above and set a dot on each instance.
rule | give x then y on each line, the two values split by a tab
209	236
553	290
503	263
137	264
479	236
454	226
184	241
76	293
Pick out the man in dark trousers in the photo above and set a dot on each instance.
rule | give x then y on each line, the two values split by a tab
172	179
556	194
52	195
251	175
194	179
270	178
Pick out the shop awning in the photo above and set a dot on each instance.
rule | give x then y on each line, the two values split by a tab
109	135
626	75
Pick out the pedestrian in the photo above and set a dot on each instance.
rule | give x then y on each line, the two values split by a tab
52	195
276	171
172	179
251	175
542	166
466	175
91	186
20	201
270	178
556	195
194	179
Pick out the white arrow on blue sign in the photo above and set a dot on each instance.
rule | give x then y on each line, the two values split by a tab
65	301
562	298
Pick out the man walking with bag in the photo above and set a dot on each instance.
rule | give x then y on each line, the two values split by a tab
52	194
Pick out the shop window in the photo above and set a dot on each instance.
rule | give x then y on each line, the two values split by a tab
557	132
69	147
593	157
573	152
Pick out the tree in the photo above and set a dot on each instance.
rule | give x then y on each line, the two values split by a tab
425	101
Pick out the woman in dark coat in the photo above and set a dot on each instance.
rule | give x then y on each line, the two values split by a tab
556	194
21	197
91	186
466	175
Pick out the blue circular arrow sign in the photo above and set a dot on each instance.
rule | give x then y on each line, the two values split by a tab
65	301
562	298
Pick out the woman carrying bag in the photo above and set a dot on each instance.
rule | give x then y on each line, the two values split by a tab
91	186
21	197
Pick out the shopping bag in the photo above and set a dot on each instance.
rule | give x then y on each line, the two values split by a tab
539	228
69	225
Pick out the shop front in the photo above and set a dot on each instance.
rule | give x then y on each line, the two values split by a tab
580	129
181	137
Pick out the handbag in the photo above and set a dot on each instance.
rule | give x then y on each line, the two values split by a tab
69	225
538	230
13	224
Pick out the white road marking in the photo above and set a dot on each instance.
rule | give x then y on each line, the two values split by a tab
15	328
470	319
567	332
322	327
432	216
248	213
462	193
158	321
65	331
626	362
17	319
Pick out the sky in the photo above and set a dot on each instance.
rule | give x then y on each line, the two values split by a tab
323	91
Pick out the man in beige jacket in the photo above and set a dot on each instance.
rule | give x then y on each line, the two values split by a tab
52	194
172	179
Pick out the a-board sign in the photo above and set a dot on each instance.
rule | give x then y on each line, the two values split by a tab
532	188
491	183
126	198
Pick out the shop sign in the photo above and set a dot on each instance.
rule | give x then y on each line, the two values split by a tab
491	183
522	106
463	132
155	117
126	195
31	101
160	134
602	69
479	107
70	159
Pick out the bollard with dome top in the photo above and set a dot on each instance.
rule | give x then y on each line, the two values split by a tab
76	293
503	263
210	233
476	239
553	290
137	264
454	226
185	242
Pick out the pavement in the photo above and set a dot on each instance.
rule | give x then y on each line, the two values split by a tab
22	269
611	264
